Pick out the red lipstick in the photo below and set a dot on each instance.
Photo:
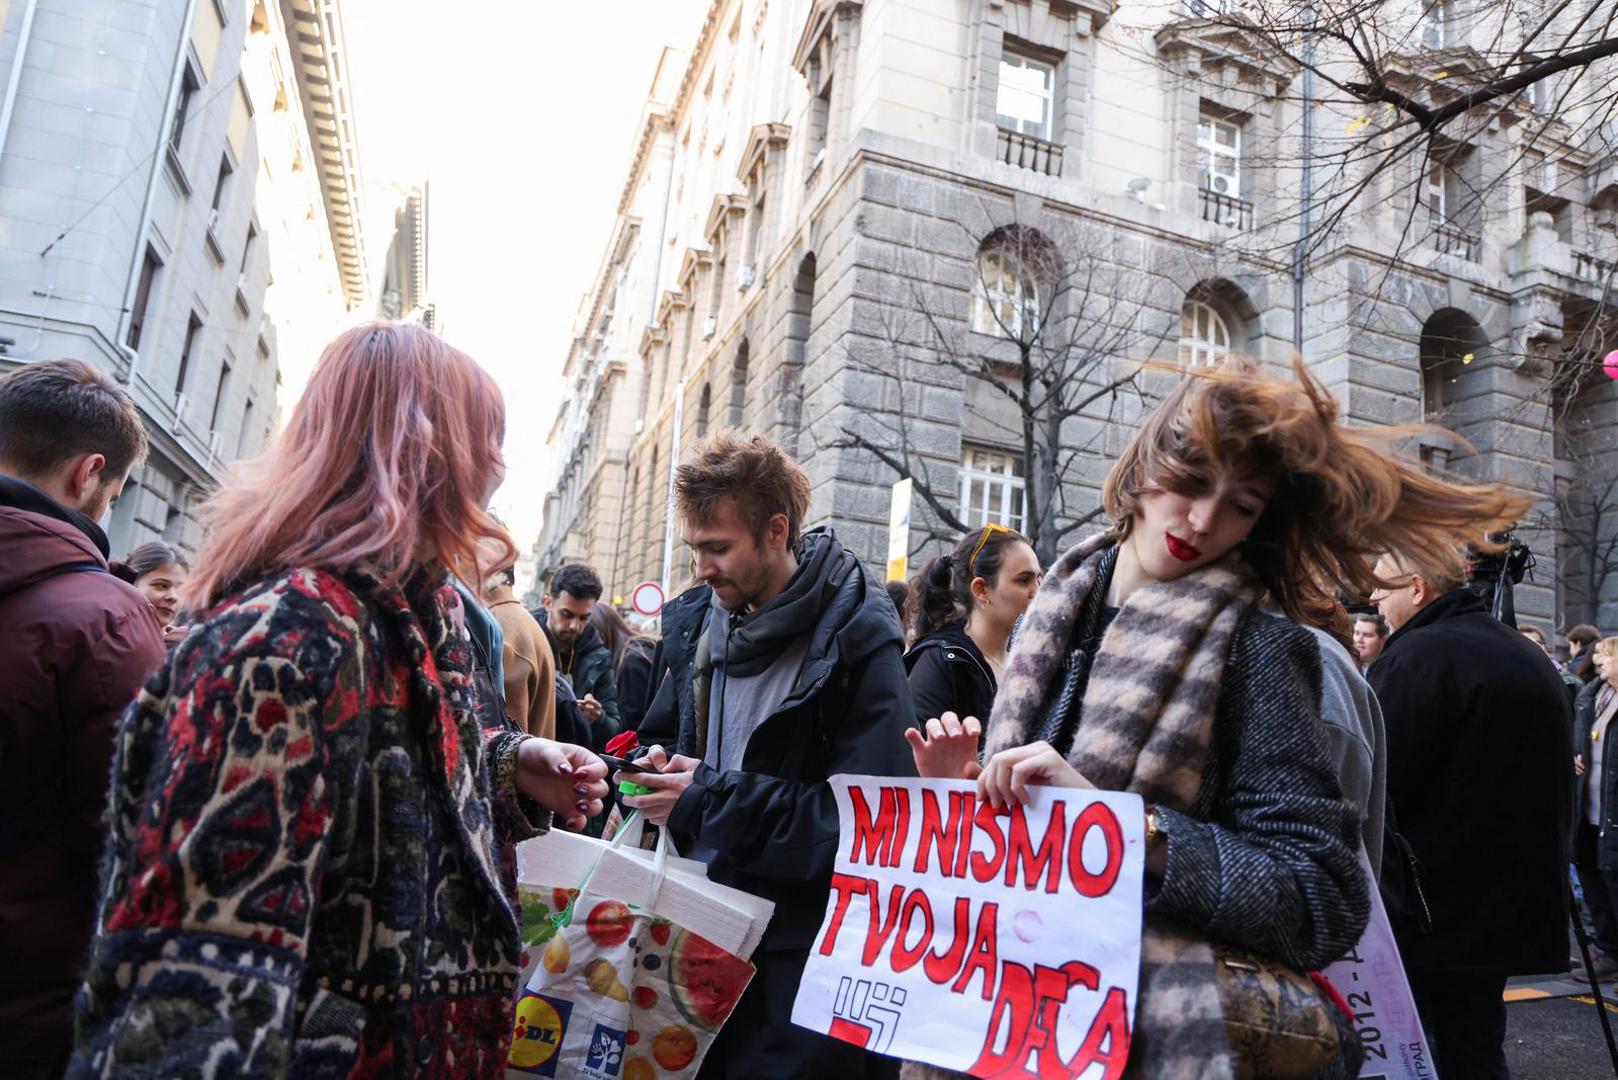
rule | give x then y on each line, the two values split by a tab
1180	549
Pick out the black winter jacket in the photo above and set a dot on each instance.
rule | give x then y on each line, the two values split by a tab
948	673
774	821
1480	779
587	663
1584	720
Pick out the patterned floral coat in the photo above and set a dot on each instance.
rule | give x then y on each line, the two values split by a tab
305	872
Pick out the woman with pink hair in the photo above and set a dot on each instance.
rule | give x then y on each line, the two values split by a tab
306	871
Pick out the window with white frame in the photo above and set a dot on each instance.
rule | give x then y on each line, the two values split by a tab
1435	187
1024	100
1219	156
1205	9
1204	337
1434	29
991	487
1004	302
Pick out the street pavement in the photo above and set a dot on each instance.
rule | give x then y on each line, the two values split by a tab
1554	1033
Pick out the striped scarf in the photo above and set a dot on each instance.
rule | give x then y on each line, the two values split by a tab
1145	726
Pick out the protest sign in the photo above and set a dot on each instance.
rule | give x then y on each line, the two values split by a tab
1371	979
993	943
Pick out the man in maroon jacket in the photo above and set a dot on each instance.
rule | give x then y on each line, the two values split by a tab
76	645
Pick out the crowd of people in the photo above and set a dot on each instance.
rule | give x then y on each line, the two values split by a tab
260	806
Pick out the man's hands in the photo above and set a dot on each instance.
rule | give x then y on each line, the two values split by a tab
1009	773
949	750
590	707
565	779
673	776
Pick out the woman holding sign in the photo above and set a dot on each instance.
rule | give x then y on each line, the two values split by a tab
1146	664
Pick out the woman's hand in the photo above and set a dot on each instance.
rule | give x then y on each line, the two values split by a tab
1008	775
949	750
173	635
567	780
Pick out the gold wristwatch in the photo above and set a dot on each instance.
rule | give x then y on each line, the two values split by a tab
1154	826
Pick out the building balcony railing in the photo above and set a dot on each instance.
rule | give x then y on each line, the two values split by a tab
1448	240
1226	210
1588	267
1029	152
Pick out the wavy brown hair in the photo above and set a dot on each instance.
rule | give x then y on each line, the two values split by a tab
1342	495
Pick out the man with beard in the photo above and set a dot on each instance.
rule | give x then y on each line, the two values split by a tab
581	656
782	667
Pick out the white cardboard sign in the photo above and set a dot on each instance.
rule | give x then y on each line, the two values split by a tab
990	943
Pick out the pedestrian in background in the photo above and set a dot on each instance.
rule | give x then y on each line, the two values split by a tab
1580	660
582	658
780	669
77	643
1479	781
529	668
1570	682
961	610
308	866
160	573
632	655
1147	663
1370	635
1595	804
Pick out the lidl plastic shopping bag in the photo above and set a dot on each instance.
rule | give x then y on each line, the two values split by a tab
614	989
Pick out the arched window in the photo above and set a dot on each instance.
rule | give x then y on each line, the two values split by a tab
1012	275
738	385
1204	337
1451	340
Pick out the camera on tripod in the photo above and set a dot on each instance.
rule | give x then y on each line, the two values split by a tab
1493	574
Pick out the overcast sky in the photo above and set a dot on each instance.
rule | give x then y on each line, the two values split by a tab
522	114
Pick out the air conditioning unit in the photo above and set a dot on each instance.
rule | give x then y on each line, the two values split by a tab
709	325
213	219
744	276
1220	184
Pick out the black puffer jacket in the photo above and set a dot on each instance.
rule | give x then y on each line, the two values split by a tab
1480	778
948	673
774	821
587	665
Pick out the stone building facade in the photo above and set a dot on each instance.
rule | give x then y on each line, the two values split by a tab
179	204
812	243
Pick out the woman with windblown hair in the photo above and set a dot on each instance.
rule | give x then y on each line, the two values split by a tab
1147	664
306	872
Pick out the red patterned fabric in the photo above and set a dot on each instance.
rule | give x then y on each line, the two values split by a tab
304	874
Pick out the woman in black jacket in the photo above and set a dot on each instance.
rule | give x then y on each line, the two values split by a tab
961	610
1147	664
1595	799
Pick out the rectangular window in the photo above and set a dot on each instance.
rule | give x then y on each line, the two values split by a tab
143	296
225	169
1023	101
182	109
219	396
1435	192
247	251
819	114
991	487
1435	28
193	327
247	430
1219	156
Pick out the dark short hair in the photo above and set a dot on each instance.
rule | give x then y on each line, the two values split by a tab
757	477
578	580
1584	634
51	411
1373	617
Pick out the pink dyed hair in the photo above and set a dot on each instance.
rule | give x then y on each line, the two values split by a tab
386	460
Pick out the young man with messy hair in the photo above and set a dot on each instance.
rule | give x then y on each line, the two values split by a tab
779	669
